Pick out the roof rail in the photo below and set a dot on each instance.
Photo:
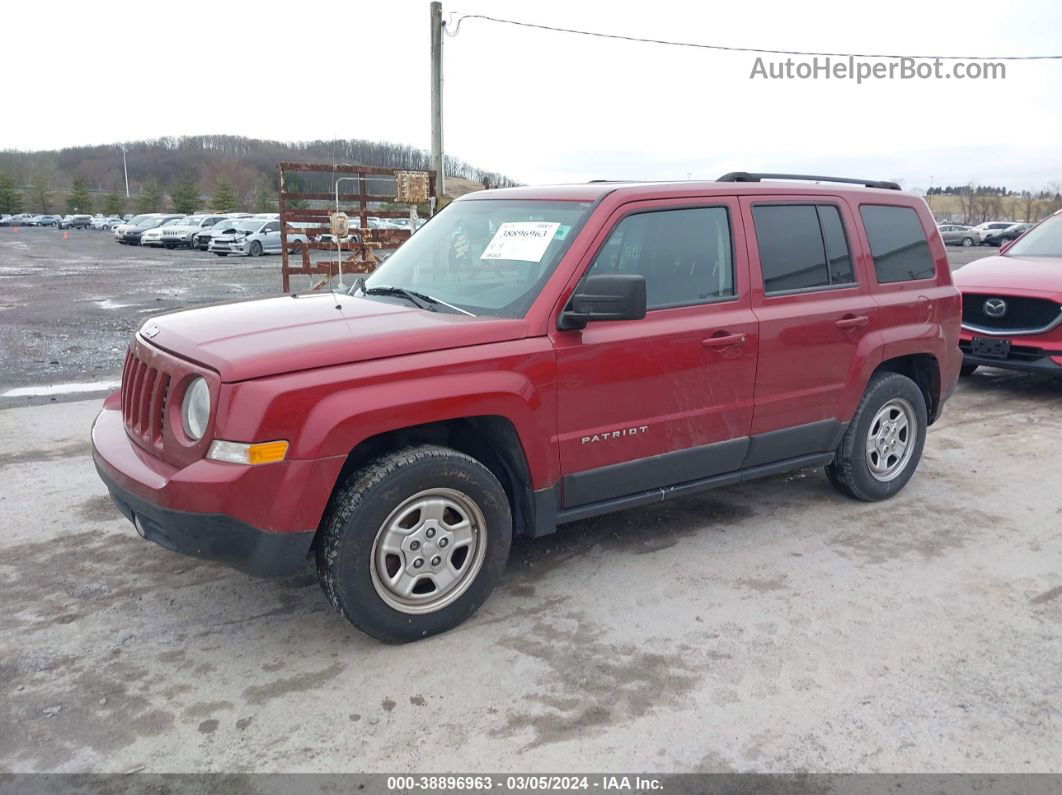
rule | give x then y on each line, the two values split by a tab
745	176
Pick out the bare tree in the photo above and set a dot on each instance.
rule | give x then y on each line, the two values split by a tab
968	202
1054	197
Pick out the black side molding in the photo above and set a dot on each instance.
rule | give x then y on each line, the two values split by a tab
748	176
658	471
693	487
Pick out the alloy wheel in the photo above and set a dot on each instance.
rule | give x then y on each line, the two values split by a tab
891	439
428	551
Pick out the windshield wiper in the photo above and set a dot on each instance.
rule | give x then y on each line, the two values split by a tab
419	300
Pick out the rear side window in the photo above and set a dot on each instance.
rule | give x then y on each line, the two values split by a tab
684	255
802	247
898	243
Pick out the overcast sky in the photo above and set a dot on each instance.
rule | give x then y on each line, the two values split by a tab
548	107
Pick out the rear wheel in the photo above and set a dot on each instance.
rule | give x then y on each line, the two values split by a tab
967	241
414	543
883	444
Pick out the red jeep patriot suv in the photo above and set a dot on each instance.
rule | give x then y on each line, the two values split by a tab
530	357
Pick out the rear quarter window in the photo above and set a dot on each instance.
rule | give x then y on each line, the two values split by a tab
898	243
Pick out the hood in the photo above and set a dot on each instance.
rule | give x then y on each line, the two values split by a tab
1014	275
271	336
229	237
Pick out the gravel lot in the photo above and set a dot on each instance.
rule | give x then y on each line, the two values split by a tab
68	307
771	626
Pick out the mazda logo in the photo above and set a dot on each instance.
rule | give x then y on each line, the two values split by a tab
995	307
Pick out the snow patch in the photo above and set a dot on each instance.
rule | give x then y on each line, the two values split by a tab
61	389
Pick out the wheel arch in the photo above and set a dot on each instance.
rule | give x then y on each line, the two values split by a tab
924	370
490	439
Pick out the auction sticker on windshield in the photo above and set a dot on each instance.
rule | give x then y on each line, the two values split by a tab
520	240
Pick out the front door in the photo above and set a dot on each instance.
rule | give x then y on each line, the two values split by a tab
666	399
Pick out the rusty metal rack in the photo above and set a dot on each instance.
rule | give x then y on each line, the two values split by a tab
311	214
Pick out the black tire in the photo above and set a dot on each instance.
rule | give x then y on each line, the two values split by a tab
850	472
364	507
967	370
256	249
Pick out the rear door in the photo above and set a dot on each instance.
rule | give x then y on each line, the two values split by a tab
666	399
815	312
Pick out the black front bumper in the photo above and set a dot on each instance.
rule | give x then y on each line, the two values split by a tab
213	536
1042	364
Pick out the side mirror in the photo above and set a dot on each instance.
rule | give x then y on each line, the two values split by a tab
613	296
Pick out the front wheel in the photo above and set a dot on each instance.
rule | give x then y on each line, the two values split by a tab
967	242
414	543
256	249
883	444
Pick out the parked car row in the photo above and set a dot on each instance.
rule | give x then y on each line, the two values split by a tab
990	233
97	221
239	234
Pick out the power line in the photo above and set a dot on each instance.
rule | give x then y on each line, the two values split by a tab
725	48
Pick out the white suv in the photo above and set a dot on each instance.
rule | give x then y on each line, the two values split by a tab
988	228
182	232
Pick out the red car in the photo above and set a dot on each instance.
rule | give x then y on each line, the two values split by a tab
531	357
1012	304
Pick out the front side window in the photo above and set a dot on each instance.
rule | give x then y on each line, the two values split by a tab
685	255
898	243
484	256
802	247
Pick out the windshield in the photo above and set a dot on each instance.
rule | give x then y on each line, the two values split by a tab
192	220
248	226
174	222
135	221
1043	240
486	256
150	223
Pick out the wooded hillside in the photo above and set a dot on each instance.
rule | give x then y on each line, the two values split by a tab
165	170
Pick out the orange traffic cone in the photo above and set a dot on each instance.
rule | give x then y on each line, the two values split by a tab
66	235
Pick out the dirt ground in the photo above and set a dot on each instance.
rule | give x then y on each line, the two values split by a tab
770	626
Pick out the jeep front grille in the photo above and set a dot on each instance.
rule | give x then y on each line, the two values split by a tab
144	393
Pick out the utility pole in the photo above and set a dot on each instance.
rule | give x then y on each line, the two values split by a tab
125	168
436	99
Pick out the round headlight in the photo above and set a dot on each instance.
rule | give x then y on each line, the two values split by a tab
196	409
